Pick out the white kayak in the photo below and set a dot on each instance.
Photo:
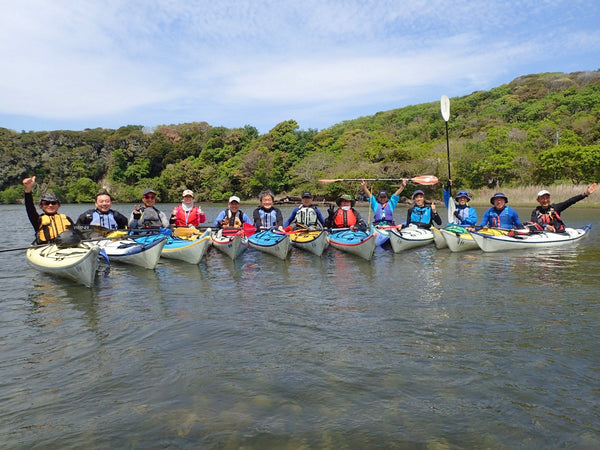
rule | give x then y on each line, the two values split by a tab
458	239
232	243
271	242
501	240
190	248
314	242
143	251
358	243
438	238
75	263
409	237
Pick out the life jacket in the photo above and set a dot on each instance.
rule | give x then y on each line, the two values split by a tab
268	219
421	216
51	226
104	220
344	219
384	213
306	216
502	219
233	220
550	217
150	218
184	218
463	215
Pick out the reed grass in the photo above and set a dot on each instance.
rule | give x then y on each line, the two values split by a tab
527	195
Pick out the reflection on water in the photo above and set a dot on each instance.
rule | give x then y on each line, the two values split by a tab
425	348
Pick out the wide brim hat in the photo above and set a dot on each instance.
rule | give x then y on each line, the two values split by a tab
462	194
498	195
345	197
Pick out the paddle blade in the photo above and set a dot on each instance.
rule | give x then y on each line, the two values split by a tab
331	181
445	107
249	230
427	180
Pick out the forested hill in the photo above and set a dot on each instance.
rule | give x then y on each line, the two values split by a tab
542	128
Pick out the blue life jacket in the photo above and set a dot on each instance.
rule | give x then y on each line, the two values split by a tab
421	216
105	220
384	213
268	219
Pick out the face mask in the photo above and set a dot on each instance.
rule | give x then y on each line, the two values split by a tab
346	208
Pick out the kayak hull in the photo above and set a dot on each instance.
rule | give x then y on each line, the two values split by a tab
496	242
314	242
410	237
78	264
357	243
271	242
143	251
189	249
438	238
458	239
233	245
382	236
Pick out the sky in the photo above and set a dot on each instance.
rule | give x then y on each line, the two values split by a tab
72	65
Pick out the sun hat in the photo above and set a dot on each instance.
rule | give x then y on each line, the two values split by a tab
187	192
306	194
234	198
498	195
462	194
149	191
49	197
344	197
543	192
417	192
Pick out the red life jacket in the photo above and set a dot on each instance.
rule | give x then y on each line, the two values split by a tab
193	217
344	219
551	218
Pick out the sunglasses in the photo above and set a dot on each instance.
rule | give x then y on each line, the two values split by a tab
45	203
150	197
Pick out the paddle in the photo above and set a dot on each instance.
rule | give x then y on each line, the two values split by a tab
445	107
423	179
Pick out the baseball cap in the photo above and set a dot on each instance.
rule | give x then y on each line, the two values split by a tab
543	192
49	197
234	198
417	192
149	191
382	194
306	194
187	192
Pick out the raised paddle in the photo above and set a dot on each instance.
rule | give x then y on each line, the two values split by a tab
445	108
423	179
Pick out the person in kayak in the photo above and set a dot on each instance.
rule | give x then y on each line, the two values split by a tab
306	215
382	207
148	216
50	224
187	214
232	217
345	216
103	215
547	215
500	215
266	215
464	215
422	215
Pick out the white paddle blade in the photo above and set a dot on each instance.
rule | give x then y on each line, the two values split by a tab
445	106
451	209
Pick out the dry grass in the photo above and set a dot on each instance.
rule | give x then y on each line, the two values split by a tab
526	196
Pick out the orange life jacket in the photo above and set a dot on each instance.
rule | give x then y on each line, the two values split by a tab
193	217
51	226
343	219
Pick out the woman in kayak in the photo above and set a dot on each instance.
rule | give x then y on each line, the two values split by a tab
345	216
547	215
266	215
423	216
383	209
186	214
49	225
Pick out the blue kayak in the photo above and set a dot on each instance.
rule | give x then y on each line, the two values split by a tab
272	242
356	242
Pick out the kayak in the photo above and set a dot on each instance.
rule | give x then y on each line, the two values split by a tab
232	244
458	239
190	249
491	240
356	242
74	263
382	236
314	242
410	237
271	242
143	251
438	238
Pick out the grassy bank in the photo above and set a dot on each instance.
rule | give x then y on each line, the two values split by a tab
526	196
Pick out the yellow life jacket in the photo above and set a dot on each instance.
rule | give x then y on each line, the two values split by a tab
52	226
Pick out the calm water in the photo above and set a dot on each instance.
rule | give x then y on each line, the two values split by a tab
422	349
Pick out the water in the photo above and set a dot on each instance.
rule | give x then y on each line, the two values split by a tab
426	348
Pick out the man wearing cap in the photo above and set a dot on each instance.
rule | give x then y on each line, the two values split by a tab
422	215
49	225
306	215
548	215
464	214
102	215
186	214
383	209
232	217
345	216
148	216
500	215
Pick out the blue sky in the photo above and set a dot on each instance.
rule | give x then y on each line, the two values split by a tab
86	63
